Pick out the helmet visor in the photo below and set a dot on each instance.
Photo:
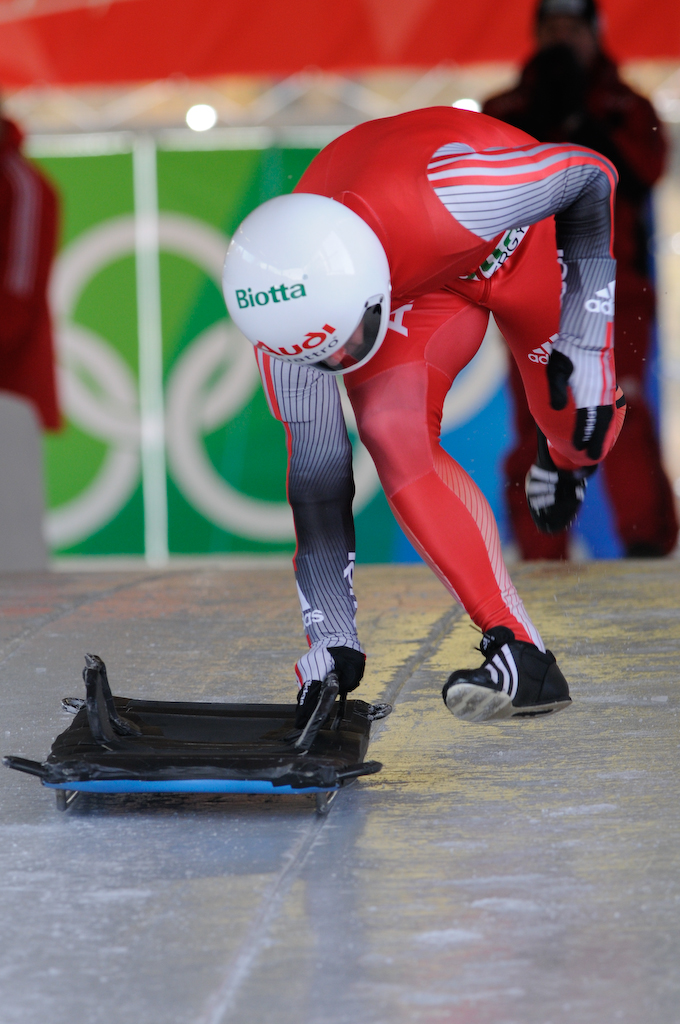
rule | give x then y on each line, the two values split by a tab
360	344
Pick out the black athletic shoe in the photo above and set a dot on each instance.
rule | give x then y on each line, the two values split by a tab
554	495
515	679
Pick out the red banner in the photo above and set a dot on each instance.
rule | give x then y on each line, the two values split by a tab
103	41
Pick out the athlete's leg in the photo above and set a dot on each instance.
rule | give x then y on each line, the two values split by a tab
531	542
398	399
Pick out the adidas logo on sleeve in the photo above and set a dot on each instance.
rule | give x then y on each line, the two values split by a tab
603	301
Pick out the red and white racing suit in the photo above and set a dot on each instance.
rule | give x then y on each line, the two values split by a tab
463	205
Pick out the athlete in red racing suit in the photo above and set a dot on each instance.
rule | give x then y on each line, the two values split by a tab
463	206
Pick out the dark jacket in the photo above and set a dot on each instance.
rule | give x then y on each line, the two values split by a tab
555	101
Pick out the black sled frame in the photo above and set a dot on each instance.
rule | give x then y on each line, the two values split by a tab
122	745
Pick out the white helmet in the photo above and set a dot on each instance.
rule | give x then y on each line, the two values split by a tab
307	280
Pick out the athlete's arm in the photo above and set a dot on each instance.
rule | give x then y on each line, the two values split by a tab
491	191
320	492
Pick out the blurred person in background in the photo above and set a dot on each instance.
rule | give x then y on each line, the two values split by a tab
570	91
28	396
28	226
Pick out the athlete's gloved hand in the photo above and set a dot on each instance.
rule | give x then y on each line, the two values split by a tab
346	662
319	660
349	665
592	421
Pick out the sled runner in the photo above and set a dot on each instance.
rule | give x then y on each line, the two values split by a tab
121	745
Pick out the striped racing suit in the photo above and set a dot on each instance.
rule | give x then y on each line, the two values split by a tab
464	208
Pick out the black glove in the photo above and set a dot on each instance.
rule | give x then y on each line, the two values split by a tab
591	430
559	369
592	422
349	667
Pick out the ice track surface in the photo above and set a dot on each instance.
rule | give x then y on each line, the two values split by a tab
520	873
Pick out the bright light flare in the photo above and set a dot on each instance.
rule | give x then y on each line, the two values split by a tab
467	103
201	117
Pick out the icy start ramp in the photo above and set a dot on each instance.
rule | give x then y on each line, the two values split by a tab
520	873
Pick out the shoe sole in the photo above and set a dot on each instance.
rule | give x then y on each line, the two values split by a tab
477	704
